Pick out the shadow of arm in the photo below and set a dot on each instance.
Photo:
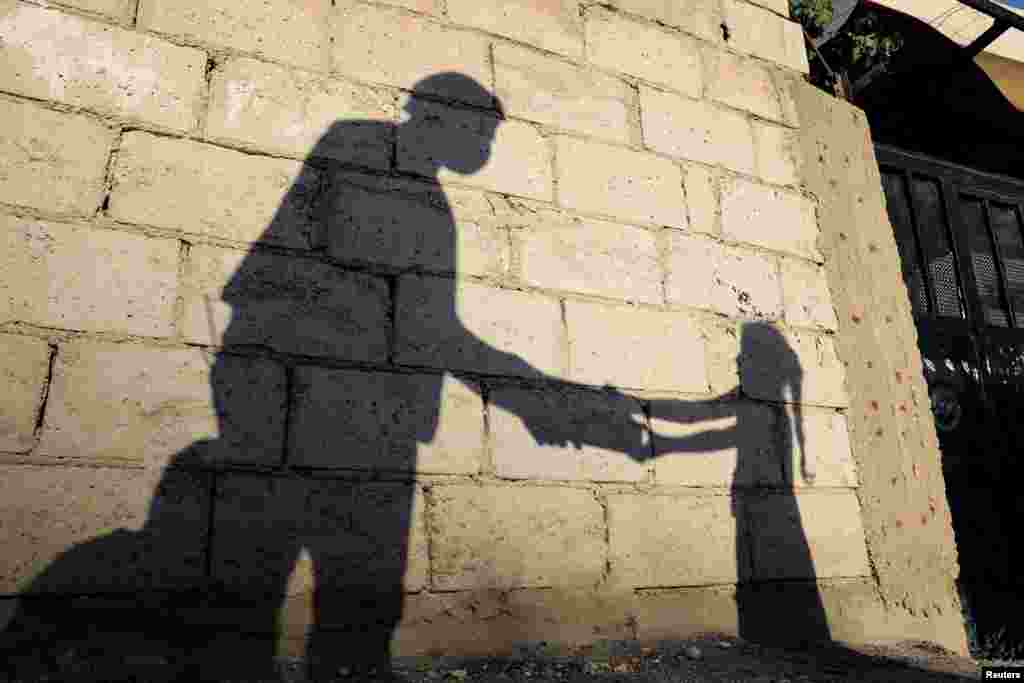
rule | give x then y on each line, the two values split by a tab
702	442
680	412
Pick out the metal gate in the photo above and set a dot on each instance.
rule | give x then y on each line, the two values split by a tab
960	235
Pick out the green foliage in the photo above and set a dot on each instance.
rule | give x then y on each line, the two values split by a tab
869	42
862	44
813	14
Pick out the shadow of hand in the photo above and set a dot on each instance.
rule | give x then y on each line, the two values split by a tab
614	422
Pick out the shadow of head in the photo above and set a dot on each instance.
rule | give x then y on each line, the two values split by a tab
768	366
448	121
459	140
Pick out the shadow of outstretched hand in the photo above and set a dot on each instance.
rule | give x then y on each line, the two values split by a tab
614	420
709	412
579	416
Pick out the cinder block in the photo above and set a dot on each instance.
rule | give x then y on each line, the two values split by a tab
434	7
515	537
344	419
578	436
138	405
683	613
289	112
552	25
759	605
777	154
770	218
403	231
628	347
806	295
24	370
52	161
786	82
812	535
120	10
701	186
617	43
733	281
381	45
700	17
445	323
715	443
827	445
51	55
775	363
742	83
722	340
590	256
500	623
199	188
777	6
287	304
756	31
290	535
517	161
280	30
547	90
632	186
460	201
662	541
695	130
82	278
81	530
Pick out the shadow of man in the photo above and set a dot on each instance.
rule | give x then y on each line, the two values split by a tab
356	534
332	494
768	440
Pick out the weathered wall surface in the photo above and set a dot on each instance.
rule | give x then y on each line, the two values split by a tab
903	497
233	337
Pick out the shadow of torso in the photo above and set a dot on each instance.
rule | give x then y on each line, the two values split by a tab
386	246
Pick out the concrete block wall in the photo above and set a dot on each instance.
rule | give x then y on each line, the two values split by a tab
232	342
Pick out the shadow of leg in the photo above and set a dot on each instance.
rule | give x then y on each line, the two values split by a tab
360	577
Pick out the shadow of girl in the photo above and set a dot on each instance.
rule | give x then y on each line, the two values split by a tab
766	442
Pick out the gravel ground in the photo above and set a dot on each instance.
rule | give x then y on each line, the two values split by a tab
720	660
712	659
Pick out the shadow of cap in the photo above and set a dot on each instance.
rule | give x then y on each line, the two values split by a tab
455	138
451	85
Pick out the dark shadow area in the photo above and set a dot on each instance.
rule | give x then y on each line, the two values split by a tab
960	234
326	487
938	103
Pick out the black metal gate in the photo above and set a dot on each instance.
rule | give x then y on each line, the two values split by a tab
960	235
